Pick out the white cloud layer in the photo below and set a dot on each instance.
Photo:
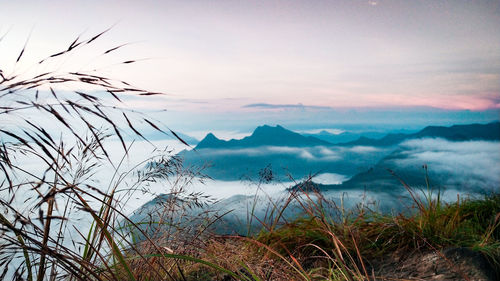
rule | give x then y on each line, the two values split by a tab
318	153
471	164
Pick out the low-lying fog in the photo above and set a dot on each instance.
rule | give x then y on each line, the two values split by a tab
465	166
471	162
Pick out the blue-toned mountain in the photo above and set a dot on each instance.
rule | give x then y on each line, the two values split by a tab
488	132
290	153
263	136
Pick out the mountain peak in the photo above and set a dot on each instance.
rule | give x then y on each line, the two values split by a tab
210	136
210	141
266	129
264	135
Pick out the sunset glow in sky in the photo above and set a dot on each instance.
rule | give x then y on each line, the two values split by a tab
223	55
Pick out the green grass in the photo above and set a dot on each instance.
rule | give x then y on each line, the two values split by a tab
470	223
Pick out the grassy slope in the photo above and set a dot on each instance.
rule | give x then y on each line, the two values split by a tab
318	247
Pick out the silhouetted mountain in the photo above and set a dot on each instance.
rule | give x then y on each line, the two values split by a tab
263	136
289	152
279	136
210	141
489	132
345	136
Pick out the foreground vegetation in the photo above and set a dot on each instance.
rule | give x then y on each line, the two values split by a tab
58	223
318	246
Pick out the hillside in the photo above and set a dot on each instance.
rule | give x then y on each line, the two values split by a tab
490	132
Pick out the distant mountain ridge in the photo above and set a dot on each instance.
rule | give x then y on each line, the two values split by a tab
278	136
344	136
488	132
262	136
291	153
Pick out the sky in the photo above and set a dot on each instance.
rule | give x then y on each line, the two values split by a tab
289	57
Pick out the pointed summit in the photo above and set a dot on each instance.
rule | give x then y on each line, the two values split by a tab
210	136
210	141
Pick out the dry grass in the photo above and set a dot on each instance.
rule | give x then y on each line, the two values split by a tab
56	221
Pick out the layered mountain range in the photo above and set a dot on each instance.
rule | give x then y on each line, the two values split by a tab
263	136
462	158
290	155
278	136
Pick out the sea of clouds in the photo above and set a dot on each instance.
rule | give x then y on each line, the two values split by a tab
462	164
470	165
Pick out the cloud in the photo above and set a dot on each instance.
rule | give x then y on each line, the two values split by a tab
329	178
328	130
470	164
310	153
327	151
363	149
285	106
317	153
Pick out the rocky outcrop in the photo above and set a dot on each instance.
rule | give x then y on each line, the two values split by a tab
449	264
